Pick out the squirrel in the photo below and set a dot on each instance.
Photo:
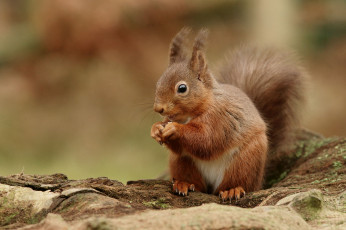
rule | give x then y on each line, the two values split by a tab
220	130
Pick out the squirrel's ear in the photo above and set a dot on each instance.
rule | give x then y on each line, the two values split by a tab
198	62
176	51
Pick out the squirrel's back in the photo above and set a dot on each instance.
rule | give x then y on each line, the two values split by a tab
275	84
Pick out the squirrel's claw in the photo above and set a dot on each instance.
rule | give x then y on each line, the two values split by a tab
223	195
182	188
234	193
192	187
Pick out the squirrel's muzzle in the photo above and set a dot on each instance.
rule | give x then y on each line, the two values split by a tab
159	108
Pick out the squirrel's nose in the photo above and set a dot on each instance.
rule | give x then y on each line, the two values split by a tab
159	108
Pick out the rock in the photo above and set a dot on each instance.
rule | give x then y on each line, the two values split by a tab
308	204
307	191
51	222
23	204
207	216
318	210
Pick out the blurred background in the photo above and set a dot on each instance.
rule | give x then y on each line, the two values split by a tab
77	78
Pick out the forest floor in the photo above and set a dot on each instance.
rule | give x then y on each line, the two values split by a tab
307	191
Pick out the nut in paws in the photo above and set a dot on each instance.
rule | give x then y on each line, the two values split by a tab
170	131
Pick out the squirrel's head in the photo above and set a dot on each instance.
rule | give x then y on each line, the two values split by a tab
184	89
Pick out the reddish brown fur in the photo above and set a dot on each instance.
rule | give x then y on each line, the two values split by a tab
183	168
248	163
216	126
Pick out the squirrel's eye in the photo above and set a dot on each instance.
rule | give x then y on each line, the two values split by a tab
182	88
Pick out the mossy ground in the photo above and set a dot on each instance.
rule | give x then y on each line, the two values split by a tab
161	203
318	167
11	212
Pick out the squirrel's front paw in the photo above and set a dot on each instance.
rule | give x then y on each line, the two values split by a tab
182	188
233	193
156	131
170	131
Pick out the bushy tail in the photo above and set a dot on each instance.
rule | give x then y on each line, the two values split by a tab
274	82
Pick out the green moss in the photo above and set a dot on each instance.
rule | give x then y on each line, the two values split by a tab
310	146
302	149
161	203
309	206
337	164
73	203
34	220
7	215
99	225
12	212
316	182
280	178
128	206
340	150
9	219
305	148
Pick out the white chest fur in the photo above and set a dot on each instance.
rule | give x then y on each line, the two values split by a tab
214	171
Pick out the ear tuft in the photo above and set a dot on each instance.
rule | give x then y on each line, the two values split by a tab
197	57
198	62
201	64
177	53
200	41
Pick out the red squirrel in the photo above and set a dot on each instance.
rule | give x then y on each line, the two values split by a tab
219	132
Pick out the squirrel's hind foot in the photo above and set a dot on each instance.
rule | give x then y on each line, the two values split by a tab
182	188
233	193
